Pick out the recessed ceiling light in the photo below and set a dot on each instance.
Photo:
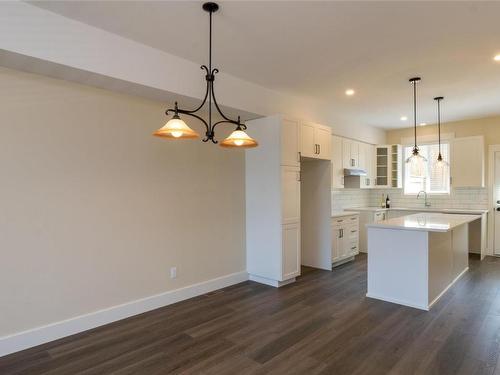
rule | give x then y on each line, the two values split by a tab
497	58
403	118
349	92
423	123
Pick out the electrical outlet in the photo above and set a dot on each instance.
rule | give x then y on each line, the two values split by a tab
173	272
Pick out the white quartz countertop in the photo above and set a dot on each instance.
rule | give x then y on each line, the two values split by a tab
466	211
343	213
425	221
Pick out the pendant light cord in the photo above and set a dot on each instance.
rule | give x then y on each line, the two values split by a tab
415	111
439	125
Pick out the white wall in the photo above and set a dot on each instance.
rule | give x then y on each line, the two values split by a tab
37	40
94	210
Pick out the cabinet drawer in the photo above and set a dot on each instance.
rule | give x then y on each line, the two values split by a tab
352	220
353	248
352	232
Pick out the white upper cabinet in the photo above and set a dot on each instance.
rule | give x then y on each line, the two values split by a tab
323	137
467	162
337	163
315	141
350	153
367	162
290	154
308	146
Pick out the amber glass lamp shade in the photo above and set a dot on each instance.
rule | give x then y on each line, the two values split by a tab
175	128
239	138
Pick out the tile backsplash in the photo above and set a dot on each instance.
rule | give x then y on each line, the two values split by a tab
470	198
348	198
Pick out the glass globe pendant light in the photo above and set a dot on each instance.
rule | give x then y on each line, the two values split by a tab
416	161
440	162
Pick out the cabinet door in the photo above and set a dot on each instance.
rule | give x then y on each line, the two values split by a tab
308	147
344	241
323	138
290	193
290	143
467	162
337	167
361	155
290	250
336	243
355	154
346	153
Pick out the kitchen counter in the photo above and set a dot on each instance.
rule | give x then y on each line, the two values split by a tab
425	221
414	259
466	211
342	213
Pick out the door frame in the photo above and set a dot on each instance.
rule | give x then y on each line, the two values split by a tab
491	199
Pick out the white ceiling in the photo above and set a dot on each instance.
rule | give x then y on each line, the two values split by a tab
318	49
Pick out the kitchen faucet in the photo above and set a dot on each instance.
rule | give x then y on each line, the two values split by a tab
426	203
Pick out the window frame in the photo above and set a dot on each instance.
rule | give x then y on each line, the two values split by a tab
427	143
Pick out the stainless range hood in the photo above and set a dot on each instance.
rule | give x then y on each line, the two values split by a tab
354	172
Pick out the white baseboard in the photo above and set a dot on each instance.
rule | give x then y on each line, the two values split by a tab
448	287
397	301
40	335
270	282
411	304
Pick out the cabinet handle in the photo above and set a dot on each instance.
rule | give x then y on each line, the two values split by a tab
341	233
353	248
339	221
298	156
319	149
353	231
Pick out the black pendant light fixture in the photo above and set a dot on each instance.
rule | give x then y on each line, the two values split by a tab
440	162
415	161
176	128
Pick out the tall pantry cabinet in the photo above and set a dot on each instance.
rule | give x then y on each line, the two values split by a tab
272	173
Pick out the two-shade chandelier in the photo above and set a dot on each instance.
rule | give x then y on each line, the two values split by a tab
176	128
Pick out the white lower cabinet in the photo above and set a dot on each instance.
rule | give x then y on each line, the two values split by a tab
291	250
345	238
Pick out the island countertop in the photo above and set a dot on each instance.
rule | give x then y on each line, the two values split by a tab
425	221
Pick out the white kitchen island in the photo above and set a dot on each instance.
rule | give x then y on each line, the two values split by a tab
414	259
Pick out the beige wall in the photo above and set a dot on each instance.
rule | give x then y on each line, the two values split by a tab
488	127
94	210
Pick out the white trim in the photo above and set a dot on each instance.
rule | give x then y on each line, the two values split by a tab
40	335
410	304
398	301
270	282
448	287
491	198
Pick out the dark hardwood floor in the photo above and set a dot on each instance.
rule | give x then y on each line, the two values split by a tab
322	324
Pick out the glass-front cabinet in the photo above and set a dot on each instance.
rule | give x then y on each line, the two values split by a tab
389	166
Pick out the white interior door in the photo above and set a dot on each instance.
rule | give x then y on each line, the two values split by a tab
496	196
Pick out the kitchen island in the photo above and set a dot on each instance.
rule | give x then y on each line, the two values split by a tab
414	259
